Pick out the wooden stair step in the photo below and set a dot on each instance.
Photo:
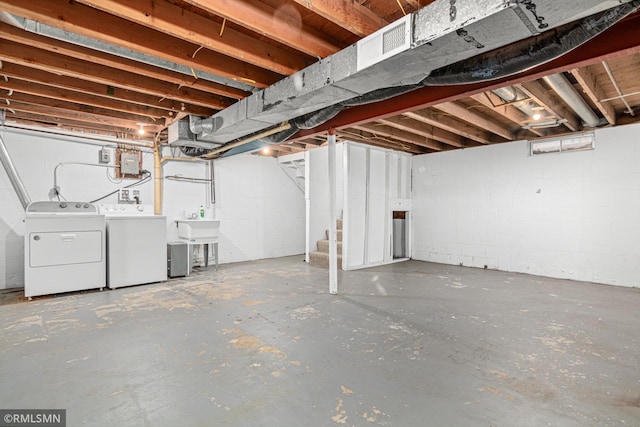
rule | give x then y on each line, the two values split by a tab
321	259
323	246
339	235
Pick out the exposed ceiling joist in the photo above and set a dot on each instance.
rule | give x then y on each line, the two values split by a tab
463	113
403	136
78	98
350	15
536	91
17	35
164	59
427	131
509	112
68	66
590	86
182	24
89	87
446	122
89	22
273	23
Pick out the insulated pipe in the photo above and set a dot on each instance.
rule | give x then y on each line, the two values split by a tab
157	177
567	92
212	154
12	173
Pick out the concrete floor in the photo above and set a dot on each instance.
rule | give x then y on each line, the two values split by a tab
264	344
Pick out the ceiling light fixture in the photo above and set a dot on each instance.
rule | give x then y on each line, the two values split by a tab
537	115
266	150
141	129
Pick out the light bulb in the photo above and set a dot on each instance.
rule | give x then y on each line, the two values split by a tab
141	129
265	150
537	116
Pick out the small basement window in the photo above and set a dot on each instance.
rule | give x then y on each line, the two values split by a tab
579	142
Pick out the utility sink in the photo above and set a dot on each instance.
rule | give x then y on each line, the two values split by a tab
199	230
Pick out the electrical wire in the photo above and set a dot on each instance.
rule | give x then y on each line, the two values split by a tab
114	179
135	184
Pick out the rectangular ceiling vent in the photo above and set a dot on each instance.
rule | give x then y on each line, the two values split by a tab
386	42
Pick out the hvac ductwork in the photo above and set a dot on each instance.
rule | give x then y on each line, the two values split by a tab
14	178
443	43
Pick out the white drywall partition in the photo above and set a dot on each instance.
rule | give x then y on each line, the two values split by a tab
569	215
261	211
377	182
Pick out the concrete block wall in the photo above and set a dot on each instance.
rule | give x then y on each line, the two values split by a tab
570	215
261	211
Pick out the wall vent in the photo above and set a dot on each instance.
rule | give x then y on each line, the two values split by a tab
386	42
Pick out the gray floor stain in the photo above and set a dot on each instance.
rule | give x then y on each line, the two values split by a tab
264	344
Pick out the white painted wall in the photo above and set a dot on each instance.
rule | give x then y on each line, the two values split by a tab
572	215
261	211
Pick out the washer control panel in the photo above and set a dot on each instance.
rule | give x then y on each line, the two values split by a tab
126	209
62	207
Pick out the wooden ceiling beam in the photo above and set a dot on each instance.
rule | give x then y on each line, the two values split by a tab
429	131
17	35
272	23
536	91
404	136
444	121
91	88
509	112
68	66
79	108
357	135
178	22
461	112
91	117
72	125
30	88
80	19
350	15
590	87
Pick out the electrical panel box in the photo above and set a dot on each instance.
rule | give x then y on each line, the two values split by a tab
104	155
129	164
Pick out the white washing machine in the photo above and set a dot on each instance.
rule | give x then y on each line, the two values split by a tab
64	248
136	245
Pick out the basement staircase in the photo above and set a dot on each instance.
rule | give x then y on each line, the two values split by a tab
320	258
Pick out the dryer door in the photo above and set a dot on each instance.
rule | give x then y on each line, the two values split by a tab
63	248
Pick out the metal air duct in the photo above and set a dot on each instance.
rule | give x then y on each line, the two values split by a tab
12	173
516	98
404	53
567	92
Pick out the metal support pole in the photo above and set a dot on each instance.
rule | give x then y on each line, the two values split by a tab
157	178
333	235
